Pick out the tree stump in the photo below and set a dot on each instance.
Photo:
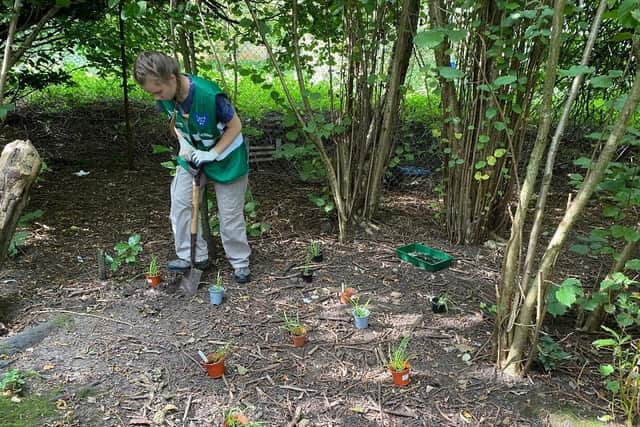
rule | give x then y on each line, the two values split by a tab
19	167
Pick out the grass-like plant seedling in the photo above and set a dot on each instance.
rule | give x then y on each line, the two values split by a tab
398	356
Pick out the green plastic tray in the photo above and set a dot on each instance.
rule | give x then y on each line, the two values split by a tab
424	257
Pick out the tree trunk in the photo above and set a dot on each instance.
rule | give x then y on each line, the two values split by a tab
509	296
354	172
6	63
125	87
536	290
479	122
184	49
19	167
11	57
401	55
509	299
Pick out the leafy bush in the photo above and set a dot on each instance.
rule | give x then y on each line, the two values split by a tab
14	380
17	241
621	376
550	353
125	252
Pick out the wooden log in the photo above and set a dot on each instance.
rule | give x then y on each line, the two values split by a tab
19	166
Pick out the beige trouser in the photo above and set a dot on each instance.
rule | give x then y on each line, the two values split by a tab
233	230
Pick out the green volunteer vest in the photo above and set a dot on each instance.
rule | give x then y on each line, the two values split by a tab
202	125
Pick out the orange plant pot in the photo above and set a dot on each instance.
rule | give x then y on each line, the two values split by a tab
239	419
345	296
215	369
299	340
401	378
152	281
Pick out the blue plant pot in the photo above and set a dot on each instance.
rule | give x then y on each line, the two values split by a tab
361	322
216	296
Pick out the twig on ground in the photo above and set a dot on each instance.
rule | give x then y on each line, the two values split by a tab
186	410
296	417
303	390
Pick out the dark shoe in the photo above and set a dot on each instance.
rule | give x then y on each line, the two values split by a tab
180	265
242	274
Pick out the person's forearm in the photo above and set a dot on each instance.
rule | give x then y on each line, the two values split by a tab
231	132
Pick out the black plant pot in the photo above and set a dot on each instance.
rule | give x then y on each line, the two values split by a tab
307	277
317	258
437	307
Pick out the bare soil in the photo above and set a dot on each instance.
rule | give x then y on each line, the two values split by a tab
126	354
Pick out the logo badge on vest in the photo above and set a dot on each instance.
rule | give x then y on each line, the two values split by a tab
201	119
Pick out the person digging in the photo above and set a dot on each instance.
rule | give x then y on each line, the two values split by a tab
211	143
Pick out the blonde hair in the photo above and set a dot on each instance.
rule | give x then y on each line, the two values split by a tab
155	65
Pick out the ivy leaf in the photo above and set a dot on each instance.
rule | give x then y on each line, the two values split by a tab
429	39
556	309
457	35
250	206
601	81
292	135
611	211
483	139
505	80
613	386
574	70
499	152
633	264
606	370
626	13
583	162
629	234
490	113
580	249
569	291
4	109
449	73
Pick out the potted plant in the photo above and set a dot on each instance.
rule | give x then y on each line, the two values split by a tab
215	361
439	304
296	329
152	275
315	250
234	417
307	273
360	312
216	291
399	363
346	294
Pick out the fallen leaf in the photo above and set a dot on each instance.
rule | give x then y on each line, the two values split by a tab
140	421
47	367
358	410
158	418
466	416
170	407
242	370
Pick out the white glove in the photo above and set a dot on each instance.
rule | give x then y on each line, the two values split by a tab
200	156
186	149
